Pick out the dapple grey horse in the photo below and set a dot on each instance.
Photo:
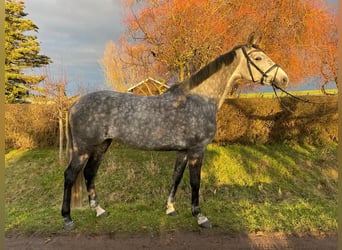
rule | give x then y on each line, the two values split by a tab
183	119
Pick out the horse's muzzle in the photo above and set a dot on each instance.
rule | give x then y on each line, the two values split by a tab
281	79
284	81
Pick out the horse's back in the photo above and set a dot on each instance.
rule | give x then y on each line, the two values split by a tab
164	122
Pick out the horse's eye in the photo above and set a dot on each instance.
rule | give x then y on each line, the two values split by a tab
258	58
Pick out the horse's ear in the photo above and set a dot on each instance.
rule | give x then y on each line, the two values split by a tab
253	39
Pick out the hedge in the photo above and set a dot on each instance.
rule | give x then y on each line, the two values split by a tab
266	120
243	120
30	126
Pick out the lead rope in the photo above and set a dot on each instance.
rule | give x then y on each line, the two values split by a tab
279	100
293	96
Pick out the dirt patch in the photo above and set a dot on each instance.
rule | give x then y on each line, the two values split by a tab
171	240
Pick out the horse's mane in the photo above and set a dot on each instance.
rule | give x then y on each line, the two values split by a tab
205	72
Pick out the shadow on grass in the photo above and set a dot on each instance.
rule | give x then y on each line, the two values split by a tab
272	188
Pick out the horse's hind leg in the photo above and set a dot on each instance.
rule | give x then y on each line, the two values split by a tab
181	161
90	171
75	166
195	165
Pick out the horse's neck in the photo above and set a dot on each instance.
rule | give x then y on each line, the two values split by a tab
218	85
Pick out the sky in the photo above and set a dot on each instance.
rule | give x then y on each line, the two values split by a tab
74	33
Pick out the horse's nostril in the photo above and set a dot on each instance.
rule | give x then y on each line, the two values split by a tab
285	81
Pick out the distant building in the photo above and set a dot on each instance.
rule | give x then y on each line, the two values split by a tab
148	86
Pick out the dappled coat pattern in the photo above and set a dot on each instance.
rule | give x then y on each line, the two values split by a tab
183	119
144	122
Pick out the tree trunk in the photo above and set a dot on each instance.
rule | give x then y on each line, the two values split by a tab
181	72
67	147
61	135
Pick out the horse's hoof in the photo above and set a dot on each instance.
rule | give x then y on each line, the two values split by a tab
203	221
69	225
104	214
206	224
173	213
100	212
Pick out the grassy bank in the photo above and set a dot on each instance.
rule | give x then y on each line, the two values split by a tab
268	188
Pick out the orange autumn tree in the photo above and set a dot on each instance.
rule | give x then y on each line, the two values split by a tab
181	35
172	53
329	56
302	36
118	67
171	39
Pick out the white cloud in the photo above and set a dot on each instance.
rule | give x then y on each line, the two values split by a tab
74	33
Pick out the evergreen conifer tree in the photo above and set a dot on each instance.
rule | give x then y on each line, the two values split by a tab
21	52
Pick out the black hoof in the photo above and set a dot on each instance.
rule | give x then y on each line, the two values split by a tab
206	224
68	225
173	213
203	221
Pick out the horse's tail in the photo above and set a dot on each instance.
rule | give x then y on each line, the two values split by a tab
76	197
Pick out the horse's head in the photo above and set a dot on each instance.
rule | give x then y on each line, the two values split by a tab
256	66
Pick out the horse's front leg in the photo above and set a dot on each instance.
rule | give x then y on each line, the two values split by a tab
195	164
181	161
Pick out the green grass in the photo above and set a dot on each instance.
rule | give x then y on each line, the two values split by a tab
269	188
